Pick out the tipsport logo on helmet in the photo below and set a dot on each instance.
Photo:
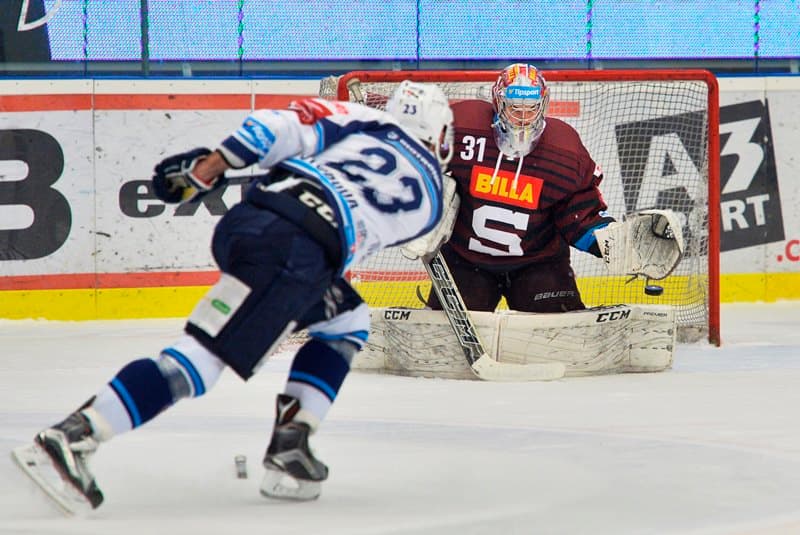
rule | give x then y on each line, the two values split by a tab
524	92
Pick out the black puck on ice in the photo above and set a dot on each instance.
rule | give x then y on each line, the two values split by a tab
241	466
653	289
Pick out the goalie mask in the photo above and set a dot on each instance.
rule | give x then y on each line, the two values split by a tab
423	110
519	98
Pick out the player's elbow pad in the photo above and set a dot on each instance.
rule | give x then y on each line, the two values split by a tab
428	244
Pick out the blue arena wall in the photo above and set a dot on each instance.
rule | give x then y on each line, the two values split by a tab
421	30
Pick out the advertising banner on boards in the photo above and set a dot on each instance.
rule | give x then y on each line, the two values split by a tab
76	158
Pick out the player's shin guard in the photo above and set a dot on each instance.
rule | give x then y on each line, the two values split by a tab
143	390
317	374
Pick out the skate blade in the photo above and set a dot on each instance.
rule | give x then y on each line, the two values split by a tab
39	467
279	485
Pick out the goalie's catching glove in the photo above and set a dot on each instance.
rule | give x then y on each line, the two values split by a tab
648	244
429	244
174	180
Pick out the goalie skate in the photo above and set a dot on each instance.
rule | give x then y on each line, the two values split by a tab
40	468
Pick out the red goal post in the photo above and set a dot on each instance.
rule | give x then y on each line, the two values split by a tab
655	134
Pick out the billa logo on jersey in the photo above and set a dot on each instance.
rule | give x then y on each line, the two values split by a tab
526	194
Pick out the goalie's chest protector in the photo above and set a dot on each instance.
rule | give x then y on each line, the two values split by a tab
386	188
507	219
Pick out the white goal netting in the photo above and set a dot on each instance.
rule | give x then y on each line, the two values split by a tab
651	133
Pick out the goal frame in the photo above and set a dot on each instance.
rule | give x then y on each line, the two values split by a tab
611	75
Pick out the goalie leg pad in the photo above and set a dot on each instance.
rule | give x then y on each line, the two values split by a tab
418	343
617	339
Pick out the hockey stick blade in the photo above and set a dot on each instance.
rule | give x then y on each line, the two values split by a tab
489	369
481	364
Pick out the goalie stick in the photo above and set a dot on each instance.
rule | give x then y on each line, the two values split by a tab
481	364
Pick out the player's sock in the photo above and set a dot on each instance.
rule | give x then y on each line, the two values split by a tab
318	371
145	387
142	390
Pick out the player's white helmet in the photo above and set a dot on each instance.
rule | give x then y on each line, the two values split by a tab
424	111
519	97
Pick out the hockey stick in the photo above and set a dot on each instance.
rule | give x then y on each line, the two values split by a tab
481	364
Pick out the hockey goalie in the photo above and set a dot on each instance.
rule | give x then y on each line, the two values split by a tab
526	192
529	345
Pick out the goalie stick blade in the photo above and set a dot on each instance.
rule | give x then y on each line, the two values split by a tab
489	369
483	366
38	466
279	485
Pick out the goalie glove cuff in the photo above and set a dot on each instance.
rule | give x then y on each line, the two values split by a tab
612	242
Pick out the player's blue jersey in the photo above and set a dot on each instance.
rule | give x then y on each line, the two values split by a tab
384	186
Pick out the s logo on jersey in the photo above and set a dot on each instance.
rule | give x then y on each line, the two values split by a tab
525	195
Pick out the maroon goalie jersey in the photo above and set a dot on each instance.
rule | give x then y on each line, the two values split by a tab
555	202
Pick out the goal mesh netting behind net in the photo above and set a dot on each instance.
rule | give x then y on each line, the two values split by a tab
654	134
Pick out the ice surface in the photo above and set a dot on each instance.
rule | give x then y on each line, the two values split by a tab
710	447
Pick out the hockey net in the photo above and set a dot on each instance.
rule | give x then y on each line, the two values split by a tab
654	134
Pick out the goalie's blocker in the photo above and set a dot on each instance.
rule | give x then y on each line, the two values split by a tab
647	244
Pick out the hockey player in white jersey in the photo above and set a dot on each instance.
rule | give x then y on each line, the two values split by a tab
345	181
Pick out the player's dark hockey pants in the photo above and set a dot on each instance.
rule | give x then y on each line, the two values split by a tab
285	274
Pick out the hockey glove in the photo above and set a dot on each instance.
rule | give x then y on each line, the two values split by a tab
648	244
174	181
429	244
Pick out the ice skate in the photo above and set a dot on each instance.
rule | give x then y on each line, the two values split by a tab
292	471
63	451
